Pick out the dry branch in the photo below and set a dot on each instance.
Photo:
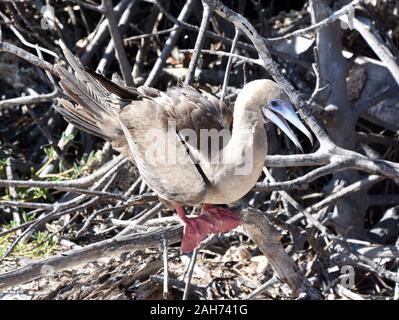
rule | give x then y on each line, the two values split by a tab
90	253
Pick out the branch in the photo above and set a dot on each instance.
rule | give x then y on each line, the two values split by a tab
319	25
10	48
92	252
267	239
374	40
116	37
303	181
99	35
363	184
208	10
229	64
170	42
80	182
33	99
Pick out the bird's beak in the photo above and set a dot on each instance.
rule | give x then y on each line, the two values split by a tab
278	114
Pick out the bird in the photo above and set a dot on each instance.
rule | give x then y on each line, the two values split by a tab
189	147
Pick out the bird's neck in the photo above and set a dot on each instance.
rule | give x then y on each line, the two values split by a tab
243	159
248	138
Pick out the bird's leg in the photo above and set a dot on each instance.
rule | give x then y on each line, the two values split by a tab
221	219
194	230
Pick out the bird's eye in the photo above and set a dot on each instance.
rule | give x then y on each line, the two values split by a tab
274	103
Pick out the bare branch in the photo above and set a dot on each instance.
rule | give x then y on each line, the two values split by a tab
365	28
169	44
319	25
208	10
10	48
116	37
92	252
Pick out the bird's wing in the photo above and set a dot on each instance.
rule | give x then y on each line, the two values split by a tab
155	127
198	115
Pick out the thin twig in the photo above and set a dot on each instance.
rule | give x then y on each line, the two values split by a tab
229	64
10	48
208	10
189	273
170	42
165	269
319	25
116	37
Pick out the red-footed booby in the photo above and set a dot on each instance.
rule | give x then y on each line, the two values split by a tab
188	146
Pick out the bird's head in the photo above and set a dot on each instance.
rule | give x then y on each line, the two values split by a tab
278	111
267	97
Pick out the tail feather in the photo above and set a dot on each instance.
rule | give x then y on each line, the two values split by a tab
80	118
82	74
83	94
99	100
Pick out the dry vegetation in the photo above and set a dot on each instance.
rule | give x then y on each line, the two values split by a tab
76	221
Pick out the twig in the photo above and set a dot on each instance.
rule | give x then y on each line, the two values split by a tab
208	10
20	204
381	96
319	25
10	48
12	192
306	213
149	35
227	54
189	274
33	99
116	37
100	34
199	290
363	184
364	27
125	18
169	44
262	288
165	269
141	219
359	185
88	5
23	40
229	64
303	181
76	183
377	138
104	180
144	46
120	205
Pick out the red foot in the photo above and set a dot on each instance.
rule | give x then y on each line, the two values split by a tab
195	230
221	219
215	220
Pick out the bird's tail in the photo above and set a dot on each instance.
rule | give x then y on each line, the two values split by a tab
99	100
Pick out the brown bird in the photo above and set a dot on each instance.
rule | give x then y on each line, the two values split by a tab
188	146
